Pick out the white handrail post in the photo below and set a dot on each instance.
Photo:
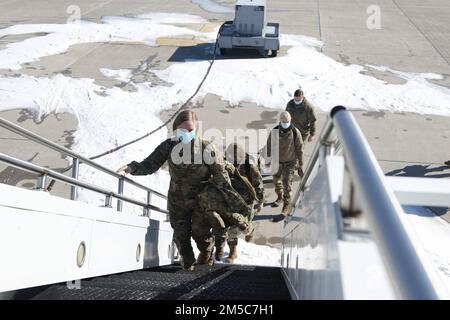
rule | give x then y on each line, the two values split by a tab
75	167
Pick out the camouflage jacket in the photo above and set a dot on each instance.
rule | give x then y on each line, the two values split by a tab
252	174
303	117
289	144
189	171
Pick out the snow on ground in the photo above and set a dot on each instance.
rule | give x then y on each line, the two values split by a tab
143	28
104	121
252	254
270	82
107	117
123	75
267	82
433	235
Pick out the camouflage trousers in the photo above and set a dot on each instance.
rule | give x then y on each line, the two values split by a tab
283	180
187	219
219	216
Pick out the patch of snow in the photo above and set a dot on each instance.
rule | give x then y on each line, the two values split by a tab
104	121
61	36
271	82
123	75
433	235
267	82
251	254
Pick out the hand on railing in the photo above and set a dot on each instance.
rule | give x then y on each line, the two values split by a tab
124	170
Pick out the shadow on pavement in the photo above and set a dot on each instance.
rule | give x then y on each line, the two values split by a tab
420	171
203	52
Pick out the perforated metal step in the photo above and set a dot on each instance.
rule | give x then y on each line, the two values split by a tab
220	282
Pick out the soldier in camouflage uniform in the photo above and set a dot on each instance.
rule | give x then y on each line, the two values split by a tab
193	162
221	216
290	145
303	117
247	181
252	192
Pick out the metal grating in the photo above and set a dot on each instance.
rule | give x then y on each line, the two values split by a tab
220	282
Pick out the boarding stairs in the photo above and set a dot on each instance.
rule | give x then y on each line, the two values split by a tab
344	208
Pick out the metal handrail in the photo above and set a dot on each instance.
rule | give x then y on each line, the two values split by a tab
382	207
325	133
45	172
77	157
405	269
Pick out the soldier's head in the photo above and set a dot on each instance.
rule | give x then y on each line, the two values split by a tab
184	125
298	96
285	120
236	154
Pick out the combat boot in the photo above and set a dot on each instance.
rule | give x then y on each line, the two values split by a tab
205	258
233	253
284	213
188	266
285	210
279	200
249	236
219	253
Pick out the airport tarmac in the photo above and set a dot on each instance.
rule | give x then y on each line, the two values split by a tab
414	37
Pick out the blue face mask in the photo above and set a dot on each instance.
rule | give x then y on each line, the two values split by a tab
185	137
285	125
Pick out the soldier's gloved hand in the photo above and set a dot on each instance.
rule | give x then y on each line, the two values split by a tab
310	138
258	208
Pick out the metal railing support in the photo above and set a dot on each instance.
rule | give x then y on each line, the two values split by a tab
75	167
149	201
120	191
108	201
41	181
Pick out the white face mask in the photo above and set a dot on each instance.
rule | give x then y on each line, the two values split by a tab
298	101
